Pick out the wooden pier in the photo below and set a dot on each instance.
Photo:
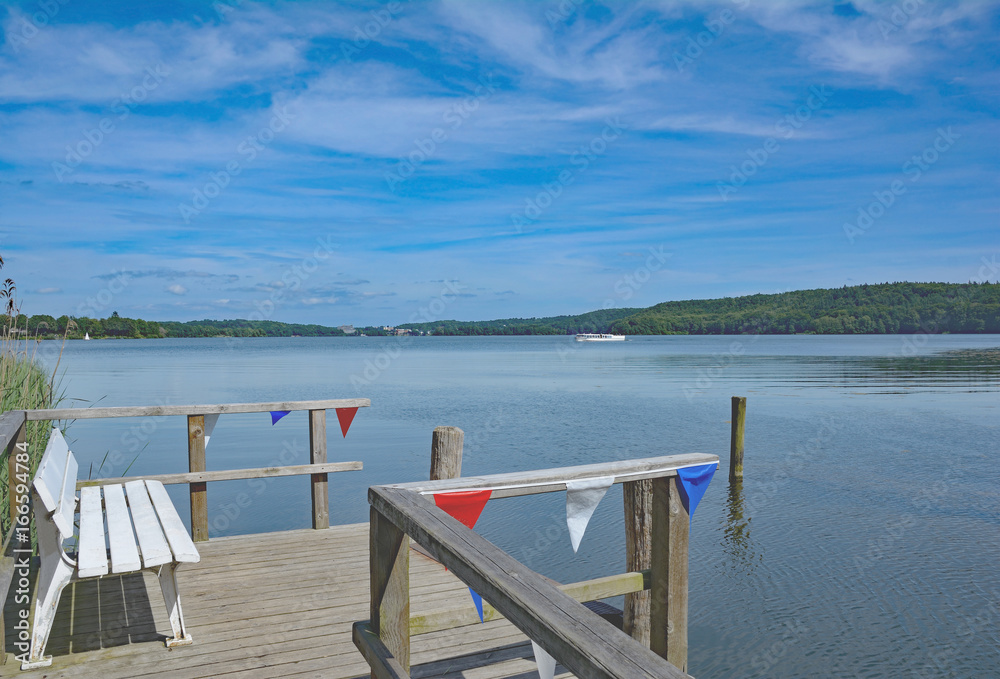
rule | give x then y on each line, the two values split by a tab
360	600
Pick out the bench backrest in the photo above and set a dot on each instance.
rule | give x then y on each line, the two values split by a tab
55	483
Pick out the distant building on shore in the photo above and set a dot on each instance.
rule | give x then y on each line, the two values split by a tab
346	329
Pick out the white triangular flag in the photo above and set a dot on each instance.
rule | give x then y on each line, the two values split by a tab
582	498
210	421
545	662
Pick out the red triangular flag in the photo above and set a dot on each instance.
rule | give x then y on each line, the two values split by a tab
346	416
466	505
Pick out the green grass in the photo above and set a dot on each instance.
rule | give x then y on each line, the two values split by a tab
24	385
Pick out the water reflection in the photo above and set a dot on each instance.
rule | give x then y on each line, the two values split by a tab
736	541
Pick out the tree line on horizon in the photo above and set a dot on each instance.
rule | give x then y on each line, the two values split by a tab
885	308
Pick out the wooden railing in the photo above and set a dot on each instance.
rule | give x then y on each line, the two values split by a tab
551	615
197	477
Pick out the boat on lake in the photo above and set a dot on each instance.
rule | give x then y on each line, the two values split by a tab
599	337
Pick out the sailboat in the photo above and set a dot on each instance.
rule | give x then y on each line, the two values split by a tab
86	335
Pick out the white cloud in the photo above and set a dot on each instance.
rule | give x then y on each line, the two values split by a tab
176	289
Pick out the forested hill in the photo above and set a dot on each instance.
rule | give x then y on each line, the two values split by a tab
868	309
876	309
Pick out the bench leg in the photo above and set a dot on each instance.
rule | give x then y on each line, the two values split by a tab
53	576
171	596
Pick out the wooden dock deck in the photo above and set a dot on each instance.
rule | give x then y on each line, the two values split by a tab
266	605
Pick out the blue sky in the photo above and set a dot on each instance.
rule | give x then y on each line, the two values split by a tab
363	163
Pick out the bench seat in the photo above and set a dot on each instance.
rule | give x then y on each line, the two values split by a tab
124	528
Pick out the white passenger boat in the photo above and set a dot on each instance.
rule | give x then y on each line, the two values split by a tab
599	337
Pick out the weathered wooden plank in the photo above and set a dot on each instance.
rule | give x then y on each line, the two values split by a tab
638	497
588	590
590	647
669	584
173	528
207	409
446	453
152	543
389	560
383	664
121	539
92	560
233	474
197	490
317	455
552	480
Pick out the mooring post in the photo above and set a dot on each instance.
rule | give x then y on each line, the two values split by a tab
736	439
446	453
638	550
196	463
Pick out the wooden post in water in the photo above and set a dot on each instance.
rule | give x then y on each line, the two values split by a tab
389	554
638	552
736	439
668	615
446	453
196	463
317	455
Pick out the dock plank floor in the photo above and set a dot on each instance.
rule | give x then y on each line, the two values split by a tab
264	606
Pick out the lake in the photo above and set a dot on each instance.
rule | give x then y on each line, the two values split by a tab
865	540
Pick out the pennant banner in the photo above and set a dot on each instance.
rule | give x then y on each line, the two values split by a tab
210	421
277	415
694	483
582	498
466	506
346	416
545	662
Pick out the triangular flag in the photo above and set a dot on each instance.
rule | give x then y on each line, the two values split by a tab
277	415
466	506
582	498
346	416
694	483
210	421
545	662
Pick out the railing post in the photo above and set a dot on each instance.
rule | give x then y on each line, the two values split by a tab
196	463
638	551
317	455
669	564
446	453
736	438
389	554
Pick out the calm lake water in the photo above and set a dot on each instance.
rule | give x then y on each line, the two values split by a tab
865	540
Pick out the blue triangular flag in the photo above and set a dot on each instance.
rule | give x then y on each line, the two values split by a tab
694	483
277	415
478	600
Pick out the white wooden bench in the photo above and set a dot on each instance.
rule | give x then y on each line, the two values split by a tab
142	529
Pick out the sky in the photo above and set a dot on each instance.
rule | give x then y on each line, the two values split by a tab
378	163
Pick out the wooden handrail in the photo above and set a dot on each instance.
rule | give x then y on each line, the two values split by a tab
208	409
231	474
589	646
